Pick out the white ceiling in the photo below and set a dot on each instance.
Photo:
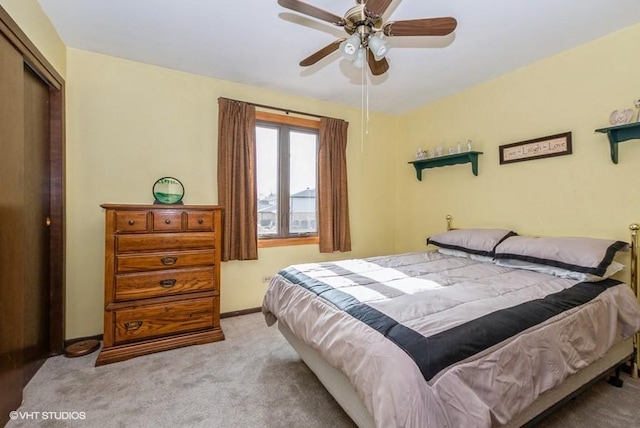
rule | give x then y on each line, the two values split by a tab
259	43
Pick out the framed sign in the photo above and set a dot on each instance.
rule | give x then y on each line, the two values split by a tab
545	147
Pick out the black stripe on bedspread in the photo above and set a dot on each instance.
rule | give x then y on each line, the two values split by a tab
435	353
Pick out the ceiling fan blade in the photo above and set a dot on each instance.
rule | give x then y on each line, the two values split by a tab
310	10
421	27
377	67
377	7
317	56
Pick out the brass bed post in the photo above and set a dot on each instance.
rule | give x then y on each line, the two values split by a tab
448	222
634	286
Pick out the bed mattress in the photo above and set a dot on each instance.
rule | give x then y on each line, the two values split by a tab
429	340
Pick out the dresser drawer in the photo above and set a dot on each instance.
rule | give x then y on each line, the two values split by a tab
143	285
146	322
200	220
167	221
167	260
131	221
164	241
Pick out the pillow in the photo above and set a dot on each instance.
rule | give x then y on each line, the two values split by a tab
586	255
480	242
613	268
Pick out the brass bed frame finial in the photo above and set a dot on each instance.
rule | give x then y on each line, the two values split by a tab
448	222
634	256
635	364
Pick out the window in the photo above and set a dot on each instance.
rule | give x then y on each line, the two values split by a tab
286	176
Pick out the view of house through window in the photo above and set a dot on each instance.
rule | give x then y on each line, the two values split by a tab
286	157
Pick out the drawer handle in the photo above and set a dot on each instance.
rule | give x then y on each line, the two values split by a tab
167	283
132	222
200	221
167	221
132	325
168	261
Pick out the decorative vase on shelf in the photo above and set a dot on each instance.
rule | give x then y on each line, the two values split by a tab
621	117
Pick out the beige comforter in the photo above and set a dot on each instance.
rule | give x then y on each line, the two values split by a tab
430	293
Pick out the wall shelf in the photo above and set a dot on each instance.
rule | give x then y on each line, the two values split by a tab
454	159
618	134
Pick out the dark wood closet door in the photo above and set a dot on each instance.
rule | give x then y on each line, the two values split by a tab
36	191
12	210
31	191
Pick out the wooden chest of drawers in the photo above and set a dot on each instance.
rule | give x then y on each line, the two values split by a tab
162	279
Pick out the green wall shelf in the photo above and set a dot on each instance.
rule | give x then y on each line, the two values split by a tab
454	159
618	134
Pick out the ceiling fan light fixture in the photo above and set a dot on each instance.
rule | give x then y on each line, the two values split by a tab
378	47
350	47
366	29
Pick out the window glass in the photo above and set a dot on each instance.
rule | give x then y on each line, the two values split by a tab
286	173
267	179
302	182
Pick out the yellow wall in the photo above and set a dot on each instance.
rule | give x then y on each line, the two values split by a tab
36	25
131	123
579	194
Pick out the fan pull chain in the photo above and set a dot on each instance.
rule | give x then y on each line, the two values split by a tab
367	84
364	103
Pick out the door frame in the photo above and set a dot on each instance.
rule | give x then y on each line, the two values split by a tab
39	64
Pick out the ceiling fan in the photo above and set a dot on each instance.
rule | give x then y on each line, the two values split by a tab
365	27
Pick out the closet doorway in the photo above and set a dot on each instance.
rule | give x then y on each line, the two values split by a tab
31	213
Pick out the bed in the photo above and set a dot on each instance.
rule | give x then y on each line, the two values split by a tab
490	329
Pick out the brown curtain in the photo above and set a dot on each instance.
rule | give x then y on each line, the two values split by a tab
237	179
333	206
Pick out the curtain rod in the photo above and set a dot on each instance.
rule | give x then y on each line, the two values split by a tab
287	111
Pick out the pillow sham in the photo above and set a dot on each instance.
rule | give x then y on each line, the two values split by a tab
611	270
481	242
586	255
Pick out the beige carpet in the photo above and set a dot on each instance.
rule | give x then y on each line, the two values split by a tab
252	379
